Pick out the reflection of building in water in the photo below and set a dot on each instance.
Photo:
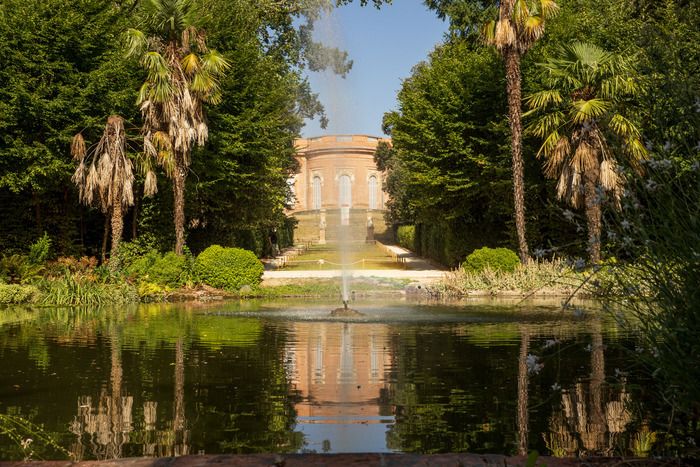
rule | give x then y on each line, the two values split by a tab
338	370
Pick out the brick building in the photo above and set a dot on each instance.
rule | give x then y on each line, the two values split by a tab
338	171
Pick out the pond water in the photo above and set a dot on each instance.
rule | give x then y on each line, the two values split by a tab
162	380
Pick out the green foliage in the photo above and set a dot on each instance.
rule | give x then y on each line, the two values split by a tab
15	294
658	232
228	268
497	259
39	251
17	269
168	270
406	236
73	290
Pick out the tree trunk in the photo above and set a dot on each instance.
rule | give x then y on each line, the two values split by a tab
593	214
117	228
105	237
179	202
513	83
522	418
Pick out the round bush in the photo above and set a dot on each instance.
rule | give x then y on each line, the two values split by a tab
498	259
228	268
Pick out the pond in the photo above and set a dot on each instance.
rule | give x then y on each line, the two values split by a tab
244	377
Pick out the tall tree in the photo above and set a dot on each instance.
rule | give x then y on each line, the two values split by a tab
584	130
181	75
105	176
520	23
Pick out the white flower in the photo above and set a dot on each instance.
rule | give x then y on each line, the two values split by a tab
579	264
588	348
550	343
568	215
578	313
651	185
533	365
26	442
556	387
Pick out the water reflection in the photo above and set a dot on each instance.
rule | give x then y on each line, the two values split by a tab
175	380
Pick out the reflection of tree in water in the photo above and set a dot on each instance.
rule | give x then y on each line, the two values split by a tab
109	425
110	422
523	381
587	424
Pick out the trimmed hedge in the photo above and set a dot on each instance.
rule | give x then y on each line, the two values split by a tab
406	236
497	259
228	268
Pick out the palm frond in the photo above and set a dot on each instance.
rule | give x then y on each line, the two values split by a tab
533	27
546	124
215	63
548	8
136	42
505	34
150	184
190	63
583	110
77	147
542	99
624	128
520	11
488	33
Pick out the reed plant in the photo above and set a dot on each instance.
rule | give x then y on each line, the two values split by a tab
545	277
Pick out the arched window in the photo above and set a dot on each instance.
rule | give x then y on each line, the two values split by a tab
316	192
372	186
345	197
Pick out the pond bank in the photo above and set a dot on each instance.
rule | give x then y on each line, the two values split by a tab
325	460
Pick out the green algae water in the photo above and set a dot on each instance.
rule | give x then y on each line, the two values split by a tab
247	377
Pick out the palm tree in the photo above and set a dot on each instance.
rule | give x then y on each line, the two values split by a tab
105	176
520	23
580	121
181	75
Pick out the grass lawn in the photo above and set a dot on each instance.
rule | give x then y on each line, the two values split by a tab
360	255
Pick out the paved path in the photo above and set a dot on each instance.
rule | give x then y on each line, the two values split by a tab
416	269
433	274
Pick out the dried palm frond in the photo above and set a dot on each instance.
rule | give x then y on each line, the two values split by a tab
505	34
77	147
150	185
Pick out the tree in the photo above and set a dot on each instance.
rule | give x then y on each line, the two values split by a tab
520	23
105	176
181	75
581	122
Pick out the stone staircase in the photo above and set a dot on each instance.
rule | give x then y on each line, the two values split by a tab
307	229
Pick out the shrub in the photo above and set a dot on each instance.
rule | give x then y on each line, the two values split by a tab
228	268
12	294
168	270
17	269
406	236
139	266
39	251
497	259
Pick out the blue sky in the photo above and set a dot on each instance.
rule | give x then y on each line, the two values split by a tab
384	45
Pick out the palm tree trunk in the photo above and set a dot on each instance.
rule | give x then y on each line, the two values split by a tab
522	418
179	202
513	84
117	228
105	238
593	215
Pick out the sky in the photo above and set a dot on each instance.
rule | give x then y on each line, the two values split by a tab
384	45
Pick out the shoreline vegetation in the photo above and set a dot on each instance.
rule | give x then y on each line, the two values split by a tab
151	278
